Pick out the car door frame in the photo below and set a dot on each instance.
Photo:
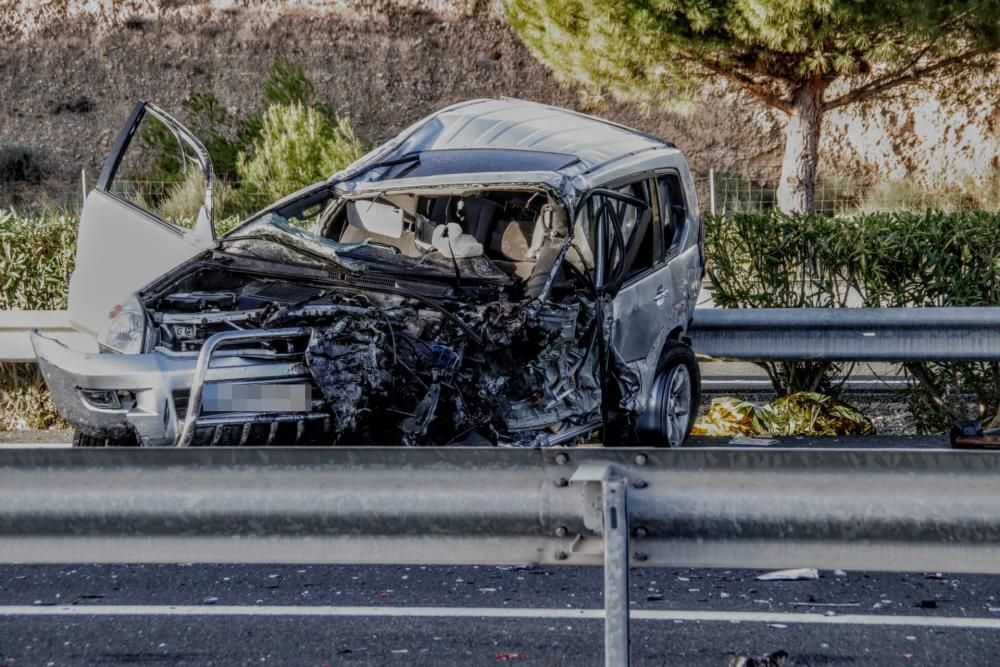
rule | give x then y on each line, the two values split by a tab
628	300
205	225
122	246
630	296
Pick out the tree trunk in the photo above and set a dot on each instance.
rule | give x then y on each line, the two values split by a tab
797	188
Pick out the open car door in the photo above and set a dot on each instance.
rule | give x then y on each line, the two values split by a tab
150	210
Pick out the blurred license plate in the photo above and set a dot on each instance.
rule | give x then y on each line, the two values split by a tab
236	397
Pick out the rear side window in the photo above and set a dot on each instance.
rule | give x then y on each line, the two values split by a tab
673	211
637	230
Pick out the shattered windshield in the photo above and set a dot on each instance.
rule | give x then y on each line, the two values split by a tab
275	238
488	234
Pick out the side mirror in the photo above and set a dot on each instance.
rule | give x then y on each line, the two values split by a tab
376	217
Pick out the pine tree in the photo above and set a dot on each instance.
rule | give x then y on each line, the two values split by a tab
802	57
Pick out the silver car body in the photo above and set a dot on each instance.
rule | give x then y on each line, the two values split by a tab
122	248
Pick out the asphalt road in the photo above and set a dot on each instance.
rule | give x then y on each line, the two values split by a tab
63	438
325	615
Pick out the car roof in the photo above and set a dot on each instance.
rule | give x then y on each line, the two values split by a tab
517	125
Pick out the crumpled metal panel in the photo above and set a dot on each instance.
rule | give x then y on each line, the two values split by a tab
564	372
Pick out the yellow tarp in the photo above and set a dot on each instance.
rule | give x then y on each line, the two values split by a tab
726	416
802	413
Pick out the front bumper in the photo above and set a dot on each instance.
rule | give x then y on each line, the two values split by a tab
161	383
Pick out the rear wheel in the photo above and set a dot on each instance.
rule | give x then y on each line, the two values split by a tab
672	402
83	440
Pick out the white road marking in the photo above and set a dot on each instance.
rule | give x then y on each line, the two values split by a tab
497	612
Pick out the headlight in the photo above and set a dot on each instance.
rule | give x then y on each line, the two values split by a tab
126	329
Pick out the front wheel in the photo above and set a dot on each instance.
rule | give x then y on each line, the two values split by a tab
83	440
672	402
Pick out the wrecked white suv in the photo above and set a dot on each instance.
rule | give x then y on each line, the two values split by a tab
500	273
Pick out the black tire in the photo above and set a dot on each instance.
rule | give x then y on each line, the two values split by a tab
83	440
667	421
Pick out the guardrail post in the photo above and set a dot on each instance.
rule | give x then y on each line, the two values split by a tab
616	561
711	191
605	512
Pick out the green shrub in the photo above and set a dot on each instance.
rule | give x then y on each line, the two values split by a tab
19	164
297	146
287	83
936	259
233	141
775	261
879	260
36	256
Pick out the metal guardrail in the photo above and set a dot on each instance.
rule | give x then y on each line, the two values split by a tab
15	325
848	334
745	334
917	510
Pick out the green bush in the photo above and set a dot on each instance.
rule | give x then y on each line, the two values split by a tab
36	256
234	140
775	261
879	260
19	164
297	146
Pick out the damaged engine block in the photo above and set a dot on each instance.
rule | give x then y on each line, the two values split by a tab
393	370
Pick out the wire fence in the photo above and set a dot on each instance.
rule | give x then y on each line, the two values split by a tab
719	192
34	195
723	193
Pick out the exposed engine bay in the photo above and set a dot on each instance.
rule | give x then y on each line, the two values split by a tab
482	339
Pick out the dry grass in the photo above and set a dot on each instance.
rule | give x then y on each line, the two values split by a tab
25	403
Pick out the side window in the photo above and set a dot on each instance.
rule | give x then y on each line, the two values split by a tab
160	173
673	211
637	252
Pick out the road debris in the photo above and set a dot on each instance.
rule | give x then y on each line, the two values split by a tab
800	574
508	657
776	659
752	441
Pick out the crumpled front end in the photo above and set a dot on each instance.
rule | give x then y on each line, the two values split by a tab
393	372
417	331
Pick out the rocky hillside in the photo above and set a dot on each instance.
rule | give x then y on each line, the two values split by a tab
70	69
